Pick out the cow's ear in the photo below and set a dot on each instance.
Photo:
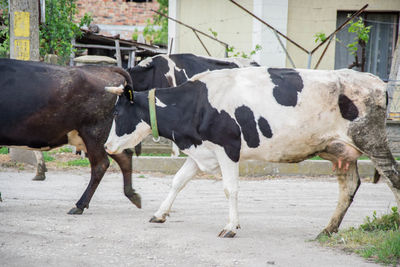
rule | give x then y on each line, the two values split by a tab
128	91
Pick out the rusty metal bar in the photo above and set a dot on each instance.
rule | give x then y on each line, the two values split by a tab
190	27
204	46
269	26
323	52
340	27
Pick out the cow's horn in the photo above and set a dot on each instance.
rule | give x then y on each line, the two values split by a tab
115	90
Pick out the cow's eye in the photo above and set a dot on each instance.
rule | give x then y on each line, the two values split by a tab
115	113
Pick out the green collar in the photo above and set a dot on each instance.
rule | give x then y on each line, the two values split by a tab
153	117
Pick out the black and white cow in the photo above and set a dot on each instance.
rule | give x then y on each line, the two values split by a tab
278	115
45	106
171	70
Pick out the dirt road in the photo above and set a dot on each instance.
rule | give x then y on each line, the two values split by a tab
278	218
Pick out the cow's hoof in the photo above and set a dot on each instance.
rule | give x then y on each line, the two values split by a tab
39	177
136	200
75	211
227	234
324	233
154	219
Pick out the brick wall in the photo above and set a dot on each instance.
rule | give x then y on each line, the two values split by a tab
117	12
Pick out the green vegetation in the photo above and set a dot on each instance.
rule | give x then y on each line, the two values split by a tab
47	157
360	40
79	162
377	239
55	34
156	36
3	150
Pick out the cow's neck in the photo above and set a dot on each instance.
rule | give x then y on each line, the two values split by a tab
175	116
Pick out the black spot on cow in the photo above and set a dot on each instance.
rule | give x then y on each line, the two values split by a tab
348	110
264	127
288	84
245	118
198	123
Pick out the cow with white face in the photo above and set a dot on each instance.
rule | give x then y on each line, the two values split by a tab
278	115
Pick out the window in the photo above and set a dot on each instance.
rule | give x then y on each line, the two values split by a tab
379	50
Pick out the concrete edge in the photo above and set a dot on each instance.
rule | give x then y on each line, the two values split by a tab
170	165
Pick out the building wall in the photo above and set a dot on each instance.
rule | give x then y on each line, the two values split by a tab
307	17
232	25
117	16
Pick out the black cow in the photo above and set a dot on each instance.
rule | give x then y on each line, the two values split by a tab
45	106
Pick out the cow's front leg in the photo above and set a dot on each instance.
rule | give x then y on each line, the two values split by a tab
124	161
98	164
181	178
230	176
349	181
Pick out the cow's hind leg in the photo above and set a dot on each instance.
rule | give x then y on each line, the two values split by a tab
124	161
181	178
349	181
98	163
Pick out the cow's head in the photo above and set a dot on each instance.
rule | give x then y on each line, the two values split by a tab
130	121
150	73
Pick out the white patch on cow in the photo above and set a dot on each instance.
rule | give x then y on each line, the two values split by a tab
145	62
116	144
170	75
75	140
159	103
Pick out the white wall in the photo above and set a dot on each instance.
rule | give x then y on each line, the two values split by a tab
275	13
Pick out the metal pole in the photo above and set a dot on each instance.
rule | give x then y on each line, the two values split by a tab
323	52
284	49
309	60
269	26
198	37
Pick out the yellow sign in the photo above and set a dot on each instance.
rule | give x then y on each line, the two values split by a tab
22	48
21	24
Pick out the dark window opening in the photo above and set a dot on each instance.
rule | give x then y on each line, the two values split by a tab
380	47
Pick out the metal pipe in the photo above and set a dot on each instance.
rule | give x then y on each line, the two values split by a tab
281	34
198	37
284	49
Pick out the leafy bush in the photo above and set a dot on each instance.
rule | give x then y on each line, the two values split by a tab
3	150
385	223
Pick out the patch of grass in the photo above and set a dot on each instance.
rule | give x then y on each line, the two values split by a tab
63	149
141	176
79	162
3	150
47	157
377	239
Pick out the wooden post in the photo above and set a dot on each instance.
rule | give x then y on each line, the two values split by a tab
24	29
118	53
24	45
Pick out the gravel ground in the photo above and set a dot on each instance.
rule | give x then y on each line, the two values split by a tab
278	217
